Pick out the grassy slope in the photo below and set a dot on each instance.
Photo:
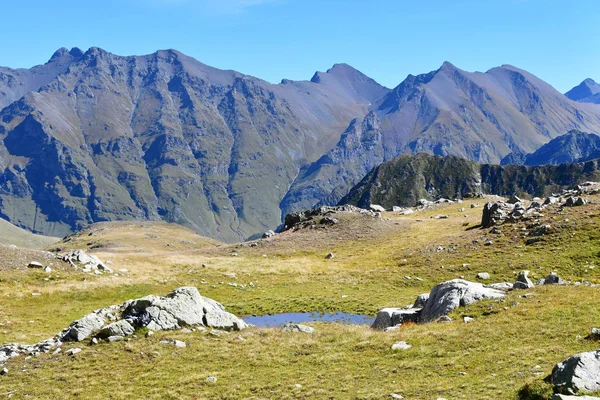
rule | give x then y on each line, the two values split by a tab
10	234
499	351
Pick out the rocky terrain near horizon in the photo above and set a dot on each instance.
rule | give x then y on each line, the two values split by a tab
405	180
92	136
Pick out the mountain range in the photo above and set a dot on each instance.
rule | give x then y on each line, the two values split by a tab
92	136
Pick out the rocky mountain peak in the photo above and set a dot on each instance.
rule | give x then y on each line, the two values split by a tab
64	55
587	91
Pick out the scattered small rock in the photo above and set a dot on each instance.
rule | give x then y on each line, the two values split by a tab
289	327
73	351
401	346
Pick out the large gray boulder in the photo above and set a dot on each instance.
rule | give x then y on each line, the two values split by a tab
450	295
183	307
566	397
493	213
580	373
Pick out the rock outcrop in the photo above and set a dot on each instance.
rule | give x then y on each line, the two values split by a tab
321	217
88	263
450	295
184	307
579	373
444	298
406	179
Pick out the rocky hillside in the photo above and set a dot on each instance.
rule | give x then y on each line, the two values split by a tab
478	116
587	91
92	136
575	146
406	179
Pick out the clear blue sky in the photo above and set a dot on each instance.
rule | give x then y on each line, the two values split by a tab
557	40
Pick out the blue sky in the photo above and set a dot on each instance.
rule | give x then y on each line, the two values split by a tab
557	40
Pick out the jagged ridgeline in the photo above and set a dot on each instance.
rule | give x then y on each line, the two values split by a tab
92	136
406	179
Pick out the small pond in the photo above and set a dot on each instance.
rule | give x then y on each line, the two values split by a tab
267	321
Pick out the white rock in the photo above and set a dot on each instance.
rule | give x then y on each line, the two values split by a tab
73	351
580	373
298	328
401	346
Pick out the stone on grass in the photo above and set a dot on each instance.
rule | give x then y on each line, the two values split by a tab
553	279
483	276
579	373
504	286
289	327
389	317
119	328
401	346
182	307
73	351
211	379
448	296
3	371
523	281
35	265
179	343
83	328
376	207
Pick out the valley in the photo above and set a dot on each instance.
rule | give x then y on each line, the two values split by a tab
378	262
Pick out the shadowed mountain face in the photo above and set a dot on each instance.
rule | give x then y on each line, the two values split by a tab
587	91
571	147
406	179
92	136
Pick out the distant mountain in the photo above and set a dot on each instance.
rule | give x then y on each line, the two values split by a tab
571	147
92	136
406	179
477	116
587	91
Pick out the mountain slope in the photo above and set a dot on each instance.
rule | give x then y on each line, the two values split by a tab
587	91
571	147
406	179
165	137
13	235
92	137
477	116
